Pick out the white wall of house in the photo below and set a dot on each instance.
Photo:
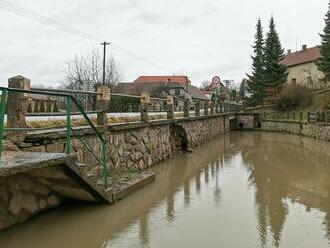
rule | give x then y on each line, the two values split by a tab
306	74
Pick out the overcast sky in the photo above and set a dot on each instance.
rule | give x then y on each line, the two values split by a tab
197	38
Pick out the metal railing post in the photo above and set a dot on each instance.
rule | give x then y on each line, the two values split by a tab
68	125
105	165
2	117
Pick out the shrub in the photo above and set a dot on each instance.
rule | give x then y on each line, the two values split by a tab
293	97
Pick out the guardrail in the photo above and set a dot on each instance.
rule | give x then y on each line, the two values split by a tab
69	129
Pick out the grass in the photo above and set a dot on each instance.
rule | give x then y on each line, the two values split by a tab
76	122
289	116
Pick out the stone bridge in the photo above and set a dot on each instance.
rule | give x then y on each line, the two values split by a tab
39	176
36	174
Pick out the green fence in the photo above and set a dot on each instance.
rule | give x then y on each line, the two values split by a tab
70	101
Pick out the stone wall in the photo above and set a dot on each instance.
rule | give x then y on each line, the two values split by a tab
246	121
198	132
282	126
36	182
317	130
21	197
129	149
136	145
143	145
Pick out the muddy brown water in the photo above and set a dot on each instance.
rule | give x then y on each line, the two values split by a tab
245	189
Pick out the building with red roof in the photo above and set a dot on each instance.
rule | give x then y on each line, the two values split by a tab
302	68
161	86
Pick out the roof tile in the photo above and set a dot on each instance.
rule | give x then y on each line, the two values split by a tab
302	57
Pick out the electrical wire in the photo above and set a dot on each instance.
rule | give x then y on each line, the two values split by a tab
23	12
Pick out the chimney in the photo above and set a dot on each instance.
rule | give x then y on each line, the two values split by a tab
304	47
289	51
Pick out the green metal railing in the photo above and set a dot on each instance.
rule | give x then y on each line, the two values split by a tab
70	101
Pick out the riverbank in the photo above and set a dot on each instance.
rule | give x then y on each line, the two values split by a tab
318	130
281	180
130	150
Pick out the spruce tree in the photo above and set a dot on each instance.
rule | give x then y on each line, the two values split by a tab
275	72
323	63
256	79
242	89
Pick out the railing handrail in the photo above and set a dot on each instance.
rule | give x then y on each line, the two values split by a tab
70	99
48	92
61	93
68	91
81	110
93	93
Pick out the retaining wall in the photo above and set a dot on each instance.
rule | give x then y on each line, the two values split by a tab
135	145
314	130
38	181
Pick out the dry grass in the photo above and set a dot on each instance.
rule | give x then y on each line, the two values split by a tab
82	122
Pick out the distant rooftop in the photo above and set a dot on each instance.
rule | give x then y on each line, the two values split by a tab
183	80
306	55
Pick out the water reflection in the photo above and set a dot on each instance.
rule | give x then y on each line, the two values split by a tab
285	167
217	190
144	230
241	190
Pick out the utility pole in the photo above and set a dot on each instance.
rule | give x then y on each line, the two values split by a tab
104	44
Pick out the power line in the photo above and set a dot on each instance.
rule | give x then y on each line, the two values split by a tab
23	12
45	20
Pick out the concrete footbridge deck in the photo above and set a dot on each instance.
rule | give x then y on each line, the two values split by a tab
32	182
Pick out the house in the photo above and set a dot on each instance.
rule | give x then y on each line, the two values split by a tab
302	68
213	86
161	86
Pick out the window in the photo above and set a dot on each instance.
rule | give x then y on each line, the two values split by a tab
177	92
294	81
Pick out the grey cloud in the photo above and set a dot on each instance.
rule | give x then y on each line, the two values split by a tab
197	37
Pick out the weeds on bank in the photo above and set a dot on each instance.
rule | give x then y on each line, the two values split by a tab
76	122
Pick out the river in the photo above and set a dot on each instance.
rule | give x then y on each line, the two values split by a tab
244	189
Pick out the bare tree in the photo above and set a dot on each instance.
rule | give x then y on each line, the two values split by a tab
89	69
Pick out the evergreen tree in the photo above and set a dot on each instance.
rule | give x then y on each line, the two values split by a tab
242	89
275	73
323	63
256	79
